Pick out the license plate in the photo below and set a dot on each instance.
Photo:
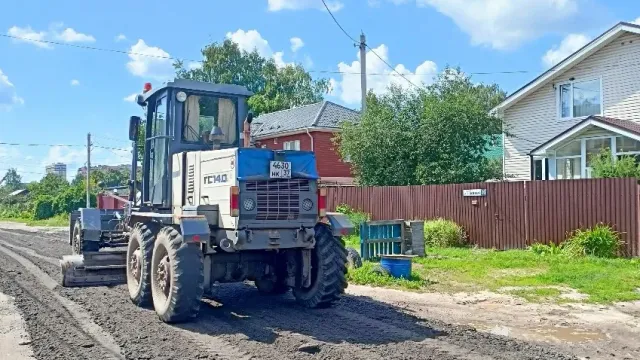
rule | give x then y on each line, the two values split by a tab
280	170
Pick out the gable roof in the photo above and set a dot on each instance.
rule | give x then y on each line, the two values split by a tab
566	64
321	115
623	127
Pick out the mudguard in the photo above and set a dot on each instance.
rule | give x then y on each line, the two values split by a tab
340	224
194	229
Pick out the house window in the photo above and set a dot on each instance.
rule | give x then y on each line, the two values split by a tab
568	161
579	99
291	145
627	147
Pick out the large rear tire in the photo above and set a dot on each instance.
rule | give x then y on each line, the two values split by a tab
328	271
139	252
78	245
177	277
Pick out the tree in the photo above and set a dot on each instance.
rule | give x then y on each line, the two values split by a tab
275	88
50	184
433	135
12	181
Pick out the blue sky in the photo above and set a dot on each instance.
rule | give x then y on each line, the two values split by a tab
55	94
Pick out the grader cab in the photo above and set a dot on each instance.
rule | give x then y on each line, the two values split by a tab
210	208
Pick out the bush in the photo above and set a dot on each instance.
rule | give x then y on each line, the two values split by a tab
444	233
544	249
355	216
604	166
599	241
43	207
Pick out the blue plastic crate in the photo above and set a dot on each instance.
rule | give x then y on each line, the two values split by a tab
379	238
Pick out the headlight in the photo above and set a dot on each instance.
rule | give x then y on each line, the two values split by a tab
249	204
307	204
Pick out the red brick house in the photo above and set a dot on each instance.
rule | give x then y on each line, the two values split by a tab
310	127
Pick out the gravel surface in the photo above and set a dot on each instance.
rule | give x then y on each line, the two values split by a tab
238	323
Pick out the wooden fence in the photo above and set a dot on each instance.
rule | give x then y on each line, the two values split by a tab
508	215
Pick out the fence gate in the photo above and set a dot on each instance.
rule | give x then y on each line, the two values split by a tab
379	238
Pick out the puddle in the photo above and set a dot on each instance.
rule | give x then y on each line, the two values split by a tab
543	333
567	334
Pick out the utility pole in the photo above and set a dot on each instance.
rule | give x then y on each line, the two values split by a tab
363	71
88	170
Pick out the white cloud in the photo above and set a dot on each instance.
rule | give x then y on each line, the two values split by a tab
504	24
131	98
75	82
69	35
30	36
55	33
149	61
250	40
348	88
277	5
194	65
570	44
296	44
8	95
120	37
64	154
278	58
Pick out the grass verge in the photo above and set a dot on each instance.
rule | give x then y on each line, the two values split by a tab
58	220
465	269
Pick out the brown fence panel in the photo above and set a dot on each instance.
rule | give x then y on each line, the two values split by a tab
512	214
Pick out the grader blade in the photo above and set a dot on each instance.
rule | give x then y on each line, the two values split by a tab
94	269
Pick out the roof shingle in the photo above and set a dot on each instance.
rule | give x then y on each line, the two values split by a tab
324	114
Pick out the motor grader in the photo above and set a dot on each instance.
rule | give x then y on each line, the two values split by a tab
210	208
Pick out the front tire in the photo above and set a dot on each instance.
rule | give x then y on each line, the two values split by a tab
328	271
139	252
177	277
78	245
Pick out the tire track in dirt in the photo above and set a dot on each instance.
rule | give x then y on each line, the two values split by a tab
251	326
81	316
196	334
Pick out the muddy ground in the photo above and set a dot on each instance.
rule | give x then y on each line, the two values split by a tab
101	323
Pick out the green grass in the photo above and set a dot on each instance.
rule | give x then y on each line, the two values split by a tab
352	241
604	280
366	276
58	220
533	276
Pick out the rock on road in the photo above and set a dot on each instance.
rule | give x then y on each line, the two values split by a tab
102	323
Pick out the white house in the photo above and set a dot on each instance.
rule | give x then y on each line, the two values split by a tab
587	102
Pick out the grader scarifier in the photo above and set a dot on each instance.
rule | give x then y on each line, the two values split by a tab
210	208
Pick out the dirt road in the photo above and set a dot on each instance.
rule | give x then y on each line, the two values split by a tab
101	323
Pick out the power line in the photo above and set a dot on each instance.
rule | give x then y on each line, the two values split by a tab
91	47
337	23
368	47
64	145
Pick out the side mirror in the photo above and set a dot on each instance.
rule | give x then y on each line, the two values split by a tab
140	100
134	126
250	117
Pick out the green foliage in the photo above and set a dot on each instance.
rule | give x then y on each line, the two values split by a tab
69	200
356	217
599	241
12	181
274	88
434	135
544	249
43	207
444	233
604	166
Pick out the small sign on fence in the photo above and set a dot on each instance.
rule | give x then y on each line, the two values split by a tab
474	192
